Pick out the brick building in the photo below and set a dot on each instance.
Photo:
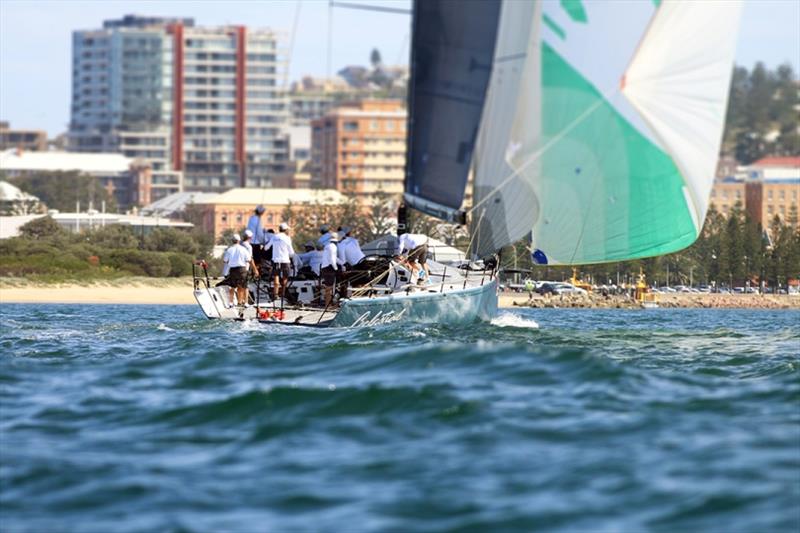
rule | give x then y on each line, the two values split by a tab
360	147
231	210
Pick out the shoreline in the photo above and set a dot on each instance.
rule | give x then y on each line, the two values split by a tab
178	291
665	301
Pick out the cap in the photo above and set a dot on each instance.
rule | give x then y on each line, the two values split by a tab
346	230
236	237
334	238
324	228
283	226
248	234
260	209
309	244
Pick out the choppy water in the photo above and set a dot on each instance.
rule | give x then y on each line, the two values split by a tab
149	418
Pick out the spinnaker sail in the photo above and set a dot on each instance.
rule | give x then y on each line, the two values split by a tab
612	149
451	60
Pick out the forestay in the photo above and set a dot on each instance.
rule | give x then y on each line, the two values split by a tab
613	149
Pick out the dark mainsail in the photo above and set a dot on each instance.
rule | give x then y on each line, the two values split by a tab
452	50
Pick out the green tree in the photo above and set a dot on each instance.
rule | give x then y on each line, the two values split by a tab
63	190
42	228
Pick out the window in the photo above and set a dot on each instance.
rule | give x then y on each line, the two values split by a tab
390	125
769	195
373	125
782	195
350	126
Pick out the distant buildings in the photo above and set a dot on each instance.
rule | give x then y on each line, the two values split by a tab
22	139
768	187
231	210
199	100
360	148
129	181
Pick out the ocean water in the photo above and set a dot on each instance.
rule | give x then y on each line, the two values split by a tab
150	418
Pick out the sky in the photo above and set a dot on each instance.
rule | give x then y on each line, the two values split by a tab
35	41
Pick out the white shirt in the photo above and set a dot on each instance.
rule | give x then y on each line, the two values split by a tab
350	252
282	249
254	225
240	256
329	256
409	241
312	259
226	259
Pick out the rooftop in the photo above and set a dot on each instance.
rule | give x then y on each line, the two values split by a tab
252	196
10	193
774	161
13	159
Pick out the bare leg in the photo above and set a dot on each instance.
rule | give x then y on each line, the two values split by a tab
233	295
276	288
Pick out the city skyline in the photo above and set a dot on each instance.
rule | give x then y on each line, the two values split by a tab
34	97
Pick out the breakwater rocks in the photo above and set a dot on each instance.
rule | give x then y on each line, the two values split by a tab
693	301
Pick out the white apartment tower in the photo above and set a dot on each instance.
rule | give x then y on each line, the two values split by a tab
200	102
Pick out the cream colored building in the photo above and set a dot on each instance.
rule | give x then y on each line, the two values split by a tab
360	147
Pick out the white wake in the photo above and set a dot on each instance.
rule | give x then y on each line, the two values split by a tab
510	320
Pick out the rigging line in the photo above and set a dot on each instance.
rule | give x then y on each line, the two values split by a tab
367	7
297	9
537	154
475	233
330	39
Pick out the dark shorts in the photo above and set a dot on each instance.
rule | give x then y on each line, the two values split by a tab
238	277
328	276
282	270
258	253
419	254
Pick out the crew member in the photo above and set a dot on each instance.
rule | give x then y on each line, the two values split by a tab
416	246
329	268
254	226
311	259
240	258
325	234
226	267
350	253
282	252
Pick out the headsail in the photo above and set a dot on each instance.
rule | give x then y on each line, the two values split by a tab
451	60
620	158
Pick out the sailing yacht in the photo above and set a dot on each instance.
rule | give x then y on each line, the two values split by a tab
592	129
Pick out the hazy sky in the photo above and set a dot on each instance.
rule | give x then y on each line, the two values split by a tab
35	41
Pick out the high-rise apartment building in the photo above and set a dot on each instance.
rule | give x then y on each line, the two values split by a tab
201	102
360	148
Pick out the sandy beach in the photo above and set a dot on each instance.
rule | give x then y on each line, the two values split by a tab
178	291
126	291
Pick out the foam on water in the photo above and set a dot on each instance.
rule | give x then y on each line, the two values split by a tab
511	320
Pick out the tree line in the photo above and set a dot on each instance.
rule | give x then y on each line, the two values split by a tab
729	252
47	252
762	113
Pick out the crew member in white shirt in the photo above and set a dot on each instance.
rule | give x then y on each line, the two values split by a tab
226	266
350	253
311	258
416	246
239	259
329	268
282	252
